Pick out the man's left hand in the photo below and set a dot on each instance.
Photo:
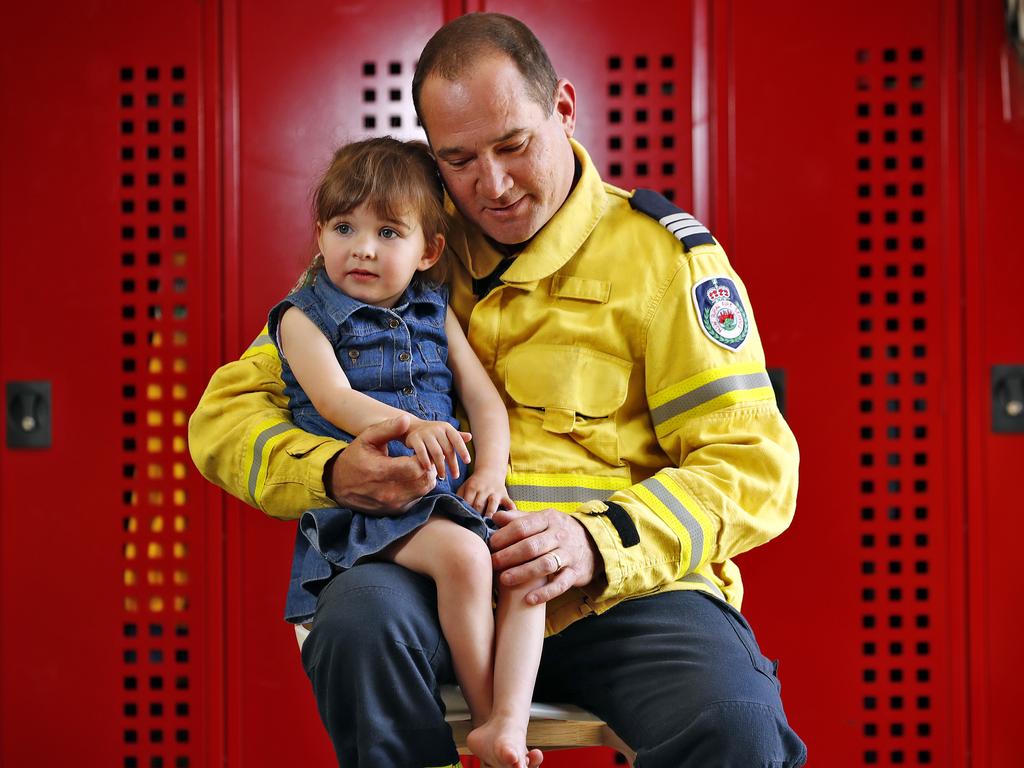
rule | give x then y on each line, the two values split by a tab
549	543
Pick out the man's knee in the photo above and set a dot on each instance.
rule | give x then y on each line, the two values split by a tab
371	610
742	734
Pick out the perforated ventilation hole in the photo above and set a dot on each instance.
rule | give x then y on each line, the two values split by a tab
387	100
154	133
890	139
643	118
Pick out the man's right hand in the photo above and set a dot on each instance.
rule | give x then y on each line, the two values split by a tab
364	477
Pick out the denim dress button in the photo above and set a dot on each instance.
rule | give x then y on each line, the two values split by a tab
405	357
393	323
407	391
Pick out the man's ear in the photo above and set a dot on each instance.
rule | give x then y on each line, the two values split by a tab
565	106
431	253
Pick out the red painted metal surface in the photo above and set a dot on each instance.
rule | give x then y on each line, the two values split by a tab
842	189
110	591
993	270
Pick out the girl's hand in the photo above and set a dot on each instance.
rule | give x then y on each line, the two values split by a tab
438	443
485	491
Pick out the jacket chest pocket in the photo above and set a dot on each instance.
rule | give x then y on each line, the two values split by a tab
578	389
364	367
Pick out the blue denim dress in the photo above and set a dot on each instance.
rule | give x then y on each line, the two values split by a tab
399	357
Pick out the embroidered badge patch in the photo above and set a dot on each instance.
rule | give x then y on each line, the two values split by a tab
720	312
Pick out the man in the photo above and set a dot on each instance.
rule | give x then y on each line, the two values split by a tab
647	446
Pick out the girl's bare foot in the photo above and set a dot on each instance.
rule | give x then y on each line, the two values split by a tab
501	743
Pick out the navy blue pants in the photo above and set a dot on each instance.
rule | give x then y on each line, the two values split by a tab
678	676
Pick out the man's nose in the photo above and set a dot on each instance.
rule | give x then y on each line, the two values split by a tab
494	180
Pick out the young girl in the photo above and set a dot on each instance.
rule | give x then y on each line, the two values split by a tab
364	337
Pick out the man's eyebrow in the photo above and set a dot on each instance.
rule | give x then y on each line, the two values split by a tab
448	152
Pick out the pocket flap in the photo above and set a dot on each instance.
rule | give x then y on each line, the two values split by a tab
582	288
583	380
301	445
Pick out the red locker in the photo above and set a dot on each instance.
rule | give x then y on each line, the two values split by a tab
840	196
111	591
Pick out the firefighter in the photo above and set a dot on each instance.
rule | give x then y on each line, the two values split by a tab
647	446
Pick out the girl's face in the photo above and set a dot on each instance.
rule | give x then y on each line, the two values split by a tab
373	259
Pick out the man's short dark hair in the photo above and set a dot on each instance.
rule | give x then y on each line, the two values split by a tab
461	43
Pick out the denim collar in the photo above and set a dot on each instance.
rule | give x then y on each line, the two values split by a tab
341	306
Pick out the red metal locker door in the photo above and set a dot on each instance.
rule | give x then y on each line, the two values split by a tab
303	78
109	586
994	270
842	196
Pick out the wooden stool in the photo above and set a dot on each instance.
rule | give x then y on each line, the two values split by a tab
552	726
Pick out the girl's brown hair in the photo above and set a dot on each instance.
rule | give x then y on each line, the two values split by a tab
392	177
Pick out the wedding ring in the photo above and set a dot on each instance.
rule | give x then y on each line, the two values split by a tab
558	561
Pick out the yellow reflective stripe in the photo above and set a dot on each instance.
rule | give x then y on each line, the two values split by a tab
257	454
675	506
537	506
535	491
709	391
261	345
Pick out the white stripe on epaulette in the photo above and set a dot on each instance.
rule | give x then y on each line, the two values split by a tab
683	224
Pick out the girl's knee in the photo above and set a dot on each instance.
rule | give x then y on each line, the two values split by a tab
464	556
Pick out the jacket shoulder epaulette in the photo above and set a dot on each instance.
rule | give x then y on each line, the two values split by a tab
685	227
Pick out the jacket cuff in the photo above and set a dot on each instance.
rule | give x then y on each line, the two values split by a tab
608	576
315	461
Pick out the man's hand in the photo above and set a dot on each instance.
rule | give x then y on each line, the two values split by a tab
546	543
364	477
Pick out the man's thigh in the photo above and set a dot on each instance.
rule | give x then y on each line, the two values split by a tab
667	672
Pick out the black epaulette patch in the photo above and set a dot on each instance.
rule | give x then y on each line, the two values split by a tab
681	224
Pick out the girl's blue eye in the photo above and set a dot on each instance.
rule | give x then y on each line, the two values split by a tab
388	233
342	229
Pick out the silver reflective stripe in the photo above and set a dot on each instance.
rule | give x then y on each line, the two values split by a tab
696	578
545	493
259	341
708	392
672	218
683	226
257	453
683	515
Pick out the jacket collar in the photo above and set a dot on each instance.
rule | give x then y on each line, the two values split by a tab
555	243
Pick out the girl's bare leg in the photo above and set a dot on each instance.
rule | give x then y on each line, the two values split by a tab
459	562
501	741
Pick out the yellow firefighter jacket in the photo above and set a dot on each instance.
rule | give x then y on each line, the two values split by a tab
635	382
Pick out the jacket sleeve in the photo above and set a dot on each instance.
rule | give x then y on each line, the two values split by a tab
241	438
731	478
